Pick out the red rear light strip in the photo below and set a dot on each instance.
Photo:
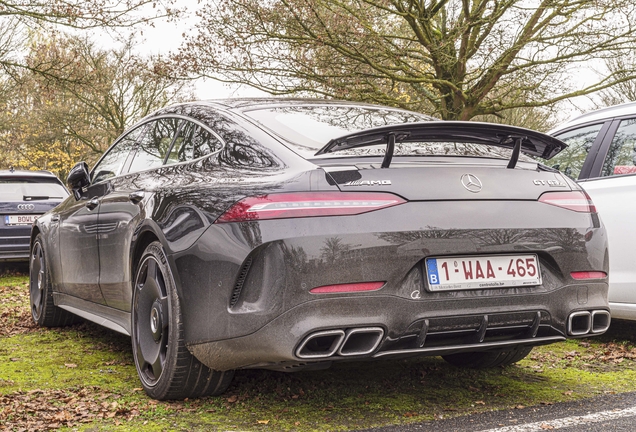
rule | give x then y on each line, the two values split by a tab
578	201
352	287
582	275
307	204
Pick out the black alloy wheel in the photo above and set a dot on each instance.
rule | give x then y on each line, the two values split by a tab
37	280
43	310
166	368
151	328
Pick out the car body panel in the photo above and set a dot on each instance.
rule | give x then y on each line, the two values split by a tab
77	233
615	199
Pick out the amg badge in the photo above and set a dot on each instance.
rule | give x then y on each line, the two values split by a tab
368	183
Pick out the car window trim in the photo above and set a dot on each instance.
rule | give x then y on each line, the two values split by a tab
174	139
109	149
597	168
134	152
592	155
144	123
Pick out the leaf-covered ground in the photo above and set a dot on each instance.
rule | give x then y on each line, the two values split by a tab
82	377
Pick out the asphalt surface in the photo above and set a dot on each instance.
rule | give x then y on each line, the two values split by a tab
602	413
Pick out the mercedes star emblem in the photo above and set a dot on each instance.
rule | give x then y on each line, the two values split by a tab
471	183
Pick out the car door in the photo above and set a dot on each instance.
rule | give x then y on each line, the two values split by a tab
612	186
79	227
123	207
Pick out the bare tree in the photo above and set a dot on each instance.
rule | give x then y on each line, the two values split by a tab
50	122
624	91
19	17
85	14
453	58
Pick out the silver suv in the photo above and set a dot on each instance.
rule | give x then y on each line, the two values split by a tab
601	156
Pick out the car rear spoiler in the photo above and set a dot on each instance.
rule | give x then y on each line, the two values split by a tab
518	139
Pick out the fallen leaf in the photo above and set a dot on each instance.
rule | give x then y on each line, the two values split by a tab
480	402
568	393
262	421
232	399
70	365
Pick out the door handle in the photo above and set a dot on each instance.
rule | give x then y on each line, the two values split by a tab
55	218
92	204
136	197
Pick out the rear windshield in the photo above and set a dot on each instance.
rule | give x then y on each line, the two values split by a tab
308	128
12	189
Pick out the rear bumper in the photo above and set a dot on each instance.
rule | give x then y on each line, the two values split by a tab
14	247
405	328
245	287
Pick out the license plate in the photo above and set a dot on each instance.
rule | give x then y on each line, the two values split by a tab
20	219
480	272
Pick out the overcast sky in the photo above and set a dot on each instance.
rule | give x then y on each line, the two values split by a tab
166	36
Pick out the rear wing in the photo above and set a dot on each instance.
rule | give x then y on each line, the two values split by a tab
518	139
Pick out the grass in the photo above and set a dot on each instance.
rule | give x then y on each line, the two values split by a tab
83	378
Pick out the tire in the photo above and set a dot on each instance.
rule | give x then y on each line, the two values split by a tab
166	368
43	310
488	359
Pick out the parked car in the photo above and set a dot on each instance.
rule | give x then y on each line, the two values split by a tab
601	156
291	234
24	195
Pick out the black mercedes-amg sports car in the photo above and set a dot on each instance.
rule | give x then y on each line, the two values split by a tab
291	234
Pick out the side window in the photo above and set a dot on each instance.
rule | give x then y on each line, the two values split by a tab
621	156
192	143
203	143
112	163
155	144
570	161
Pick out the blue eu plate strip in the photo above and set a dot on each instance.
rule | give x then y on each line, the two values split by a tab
431	267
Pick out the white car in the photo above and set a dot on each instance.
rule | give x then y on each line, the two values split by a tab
601	156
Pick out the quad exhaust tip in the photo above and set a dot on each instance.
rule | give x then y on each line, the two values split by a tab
321	344
600	321
353	342
585	322
361	341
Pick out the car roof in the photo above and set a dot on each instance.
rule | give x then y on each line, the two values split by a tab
601	114
241	104
27	174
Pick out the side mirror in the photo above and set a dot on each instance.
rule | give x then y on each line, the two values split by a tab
78	178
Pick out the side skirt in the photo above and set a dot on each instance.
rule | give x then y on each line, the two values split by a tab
105	316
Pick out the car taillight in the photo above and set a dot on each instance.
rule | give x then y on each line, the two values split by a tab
345	288
578	201
581	275
307	204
